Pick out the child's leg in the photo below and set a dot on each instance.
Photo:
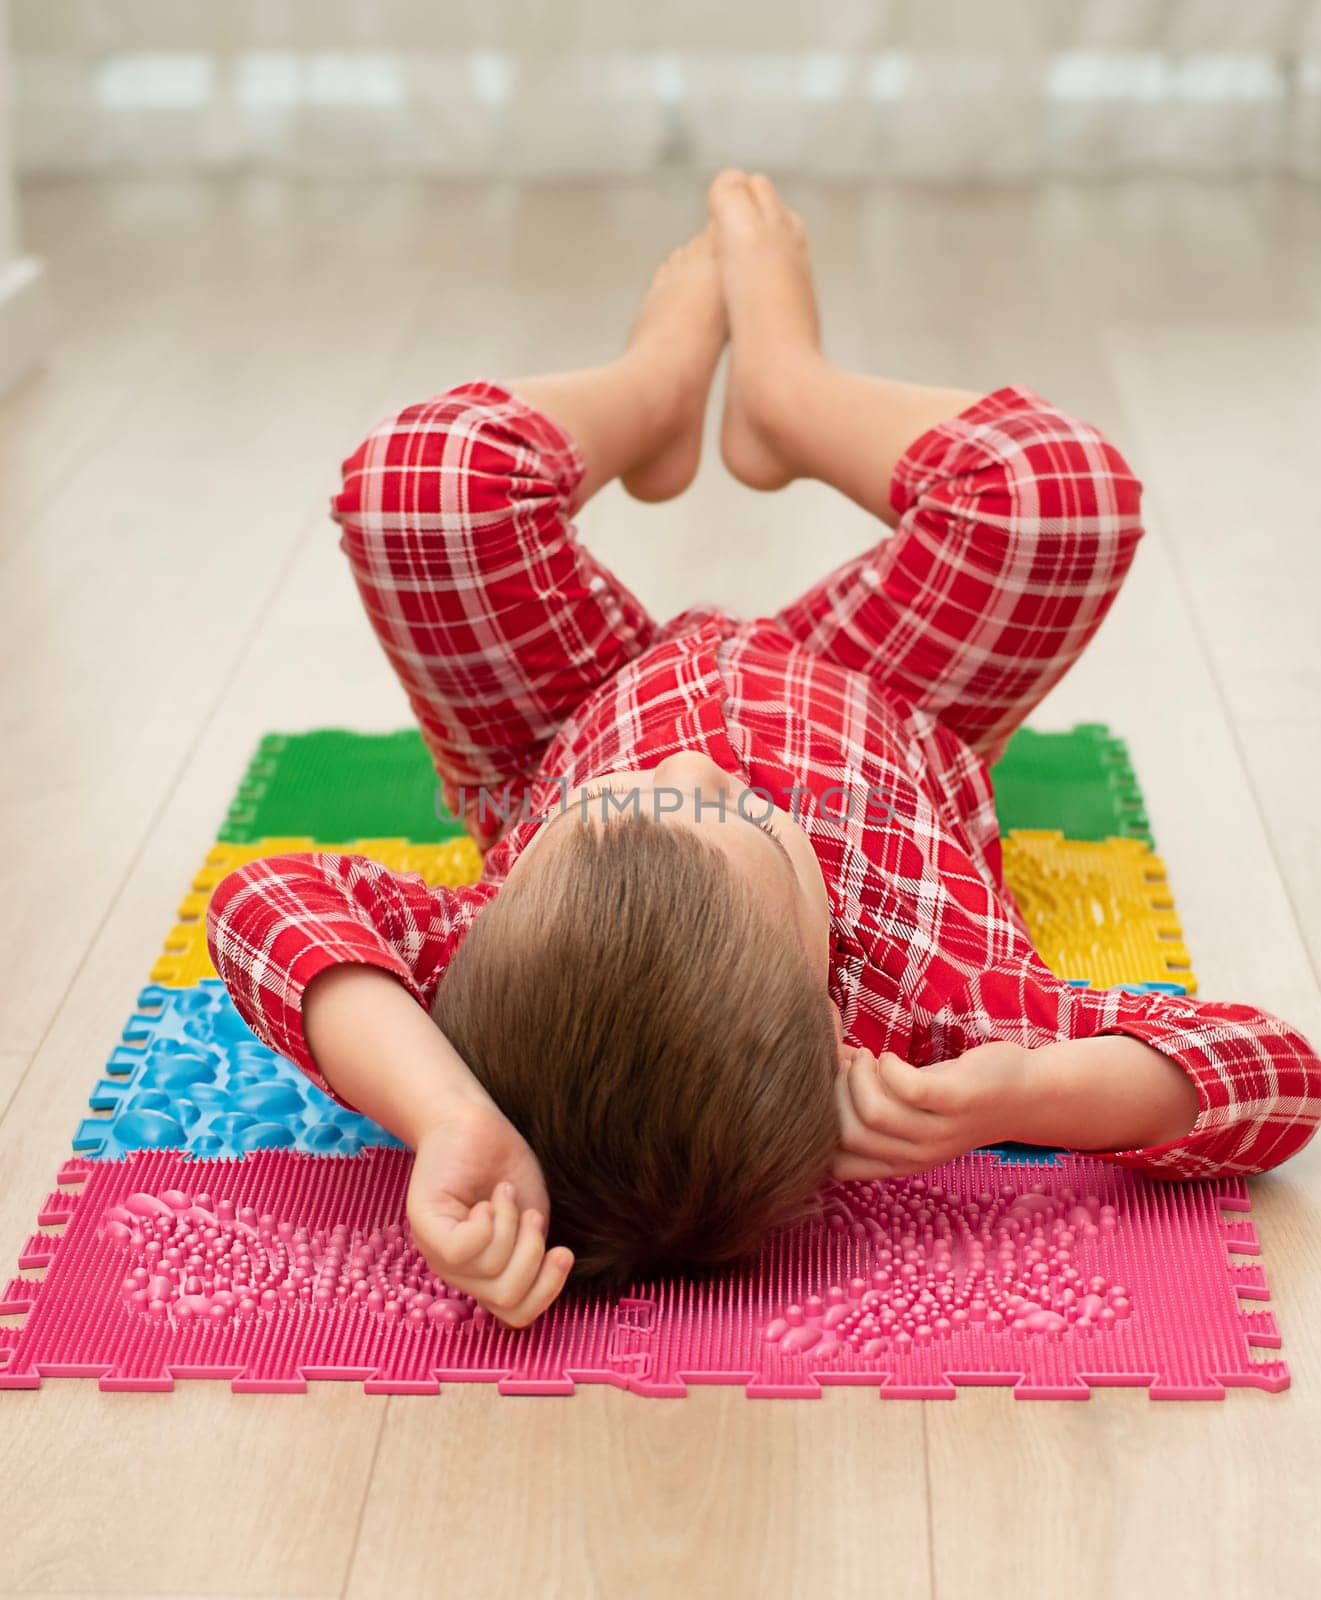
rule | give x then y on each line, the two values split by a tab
456	522
1015	523
455	517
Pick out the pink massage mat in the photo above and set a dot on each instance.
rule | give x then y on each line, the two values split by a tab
285	1268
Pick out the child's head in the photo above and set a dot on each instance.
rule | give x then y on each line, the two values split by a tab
660	1038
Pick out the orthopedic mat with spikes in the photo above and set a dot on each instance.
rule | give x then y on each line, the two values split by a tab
284	1268
260	1236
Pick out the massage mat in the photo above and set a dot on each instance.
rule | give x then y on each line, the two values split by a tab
224	1218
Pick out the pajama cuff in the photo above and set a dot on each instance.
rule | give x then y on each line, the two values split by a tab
930	457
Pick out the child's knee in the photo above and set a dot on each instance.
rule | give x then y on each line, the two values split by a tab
1046	475
473	455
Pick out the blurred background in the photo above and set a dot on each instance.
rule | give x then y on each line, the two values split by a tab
934	92
935	89
929	92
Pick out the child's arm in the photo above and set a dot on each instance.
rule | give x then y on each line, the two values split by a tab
275	924
333	960
1104	1094
1256	1081
477	1201
382	1054
1168	1084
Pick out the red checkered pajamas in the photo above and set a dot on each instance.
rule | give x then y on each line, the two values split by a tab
901	674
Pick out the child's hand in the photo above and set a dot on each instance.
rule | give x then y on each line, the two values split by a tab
477	1205
896	1119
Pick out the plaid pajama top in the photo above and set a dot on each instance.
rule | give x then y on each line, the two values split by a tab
900	675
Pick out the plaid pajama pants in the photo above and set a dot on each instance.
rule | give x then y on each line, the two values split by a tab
1017	527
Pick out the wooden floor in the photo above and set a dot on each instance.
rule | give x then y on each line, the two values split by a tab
170	587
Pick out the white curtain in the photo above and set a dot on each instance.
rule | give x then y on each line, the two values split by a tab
945	89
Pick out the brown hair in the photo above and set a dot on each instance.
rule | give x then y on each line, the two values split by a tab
662	1045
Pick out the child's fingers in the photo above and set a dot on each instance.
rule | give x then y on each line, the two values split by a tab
872	1108
549	1281
515	1283
931	1096
927	1091
463	1241
902	1082
856	1133
504	1226
852	1130
863	1151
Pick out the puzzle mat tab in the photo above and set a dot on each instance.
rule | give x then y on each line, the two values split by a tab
1100	911
336	784
185	959
1081	782
282	1268
191	1075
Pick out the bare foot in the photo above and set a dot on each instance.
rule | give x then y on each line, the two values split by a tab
775	335
676	342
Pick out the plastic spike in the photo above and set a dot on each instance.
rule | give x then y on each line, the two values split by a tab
1261	1329
1012	1154
20	1295
39	1251
1242	1237
1250	1280
57	1209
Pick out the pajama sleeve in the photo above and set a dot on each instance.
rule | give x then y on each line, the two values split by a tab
273	924
1258	1080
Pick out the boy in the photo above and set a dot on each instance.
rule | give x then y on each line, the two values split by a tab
741	921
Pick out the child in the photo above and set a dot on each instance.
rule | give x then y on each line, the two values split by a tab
741	922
